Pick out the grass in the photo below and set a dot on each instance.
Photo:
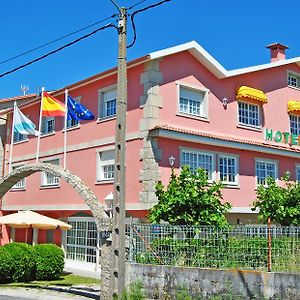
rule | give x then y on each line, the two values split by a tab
66	279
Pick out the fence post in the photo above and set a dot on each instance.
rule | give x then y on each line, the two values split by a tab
269	245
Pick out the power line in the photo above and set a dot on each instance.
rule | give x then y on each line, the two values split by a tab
56	50
139	11
136	4
56	40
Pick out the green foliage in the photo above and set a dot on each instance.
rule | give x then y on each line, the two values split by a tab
280	203
49	261
190	200
5	266
133	292
224	252
22	264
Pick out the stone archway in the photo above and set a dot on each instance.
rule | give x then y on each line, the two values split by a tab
98	211
102	220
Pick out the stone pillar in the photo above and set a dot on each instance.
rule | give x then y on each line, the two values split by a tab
151	102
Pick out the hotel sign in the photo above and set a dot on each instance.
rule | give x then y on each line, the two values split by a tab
282	137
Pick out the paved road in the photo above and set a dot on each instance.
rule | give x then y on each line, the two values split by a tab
37	294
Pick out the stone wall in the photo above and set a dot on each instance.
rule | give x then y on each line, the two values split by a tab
164	282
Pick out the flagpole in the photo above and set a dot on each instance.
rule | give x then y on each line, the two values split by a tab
65	133
40	126
12	138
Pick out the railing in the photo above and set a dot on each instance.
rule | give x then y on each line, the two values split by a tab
238	247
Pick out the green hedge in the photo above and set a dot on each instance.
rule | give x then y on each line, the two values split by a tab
49	261
21	262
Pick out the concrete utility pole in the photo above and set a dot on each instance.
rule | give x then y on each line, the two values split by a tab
118	233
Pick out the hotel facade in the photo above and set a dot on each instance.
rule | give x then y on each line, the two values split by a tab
241	126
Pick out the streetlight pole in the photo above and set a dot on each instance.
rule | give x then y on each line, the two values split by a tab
118	233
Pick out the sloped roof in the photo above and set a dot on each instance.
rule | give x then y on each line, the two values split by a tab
213	65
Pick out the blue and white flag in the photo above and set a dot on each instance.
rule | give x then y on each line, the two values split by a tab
22	124
77	111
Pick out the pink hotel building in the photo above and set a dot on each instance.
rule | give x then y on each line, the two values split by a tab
241	126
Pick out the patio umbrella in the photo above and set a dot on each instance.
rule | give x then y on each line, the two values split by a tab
28	218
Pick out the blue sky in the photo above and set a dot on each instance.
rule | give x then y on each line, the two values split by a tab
234	32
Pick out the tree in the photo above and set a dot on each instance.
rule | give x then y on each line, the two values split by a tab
189	200
280	203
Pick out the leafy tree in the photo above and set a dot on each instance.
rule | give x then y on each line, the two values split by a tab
280	203
189	200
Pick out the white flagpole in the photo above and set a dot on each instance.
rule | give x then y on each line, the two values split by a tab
65	133
12	138
40	127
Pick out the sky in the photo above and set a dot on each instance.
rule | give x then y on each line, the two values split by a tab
234	32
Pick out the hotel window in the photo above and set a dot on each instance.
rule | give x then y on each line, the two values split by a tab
196	160
50	179
298	173
228	169
82	240
48	125
294	79
20	185
249	114
107	103
295	124
264	169
193	102
105	165
18	137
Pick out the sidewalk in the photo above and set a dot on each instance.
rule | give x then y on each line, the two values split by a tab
51	293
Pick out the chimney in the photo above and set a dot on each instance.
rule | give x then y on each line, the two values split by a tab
277	51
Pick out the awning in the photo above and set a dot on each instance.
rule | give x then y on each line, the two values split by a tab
248	93
293	106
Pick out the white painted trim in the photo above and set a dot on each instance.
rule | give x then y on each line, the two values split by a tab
196	88
243	210
213	65
264	160
73	207
213	141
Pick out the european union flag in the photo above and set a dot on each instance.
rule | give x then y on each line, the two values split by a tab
77	111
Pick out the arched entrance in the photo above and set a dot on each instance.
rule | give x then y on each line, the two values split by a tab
98	211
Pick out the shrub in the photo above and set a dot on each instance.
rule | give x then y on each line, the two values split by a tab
5	266
22	264
49	261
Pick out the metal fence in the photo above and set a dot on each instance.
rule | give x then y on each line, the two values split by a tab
254	247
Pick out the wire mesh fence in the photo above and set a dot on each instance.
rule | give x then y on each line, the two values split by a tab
237	247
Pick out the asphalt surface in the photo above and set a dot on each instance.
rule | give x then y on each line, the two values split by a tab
46	294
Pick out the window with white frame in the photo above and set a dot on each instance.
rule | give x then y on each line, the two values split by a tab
196	160
249	114
227	169
264	169
82	240
107	103
48	125
295	124
50	179
298	173
193	101
293	79
20	185
18	137
105	165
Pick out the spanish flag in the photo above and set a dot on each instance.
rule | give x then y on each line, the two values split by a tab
52	107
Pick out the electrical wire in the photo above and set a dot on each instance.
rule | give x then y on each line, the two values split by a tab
56	40
139	11
57	50
136	4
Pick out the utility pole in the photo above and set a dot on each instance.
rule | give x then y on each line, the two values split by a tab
118	233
